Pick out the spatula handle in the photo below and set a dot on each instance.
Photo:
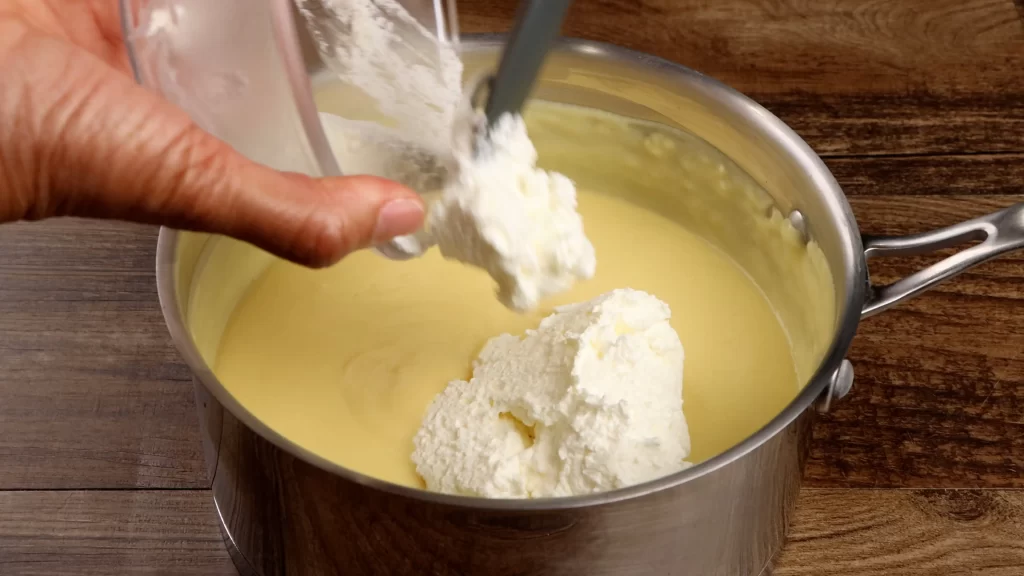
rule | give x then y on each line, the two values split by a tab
536	27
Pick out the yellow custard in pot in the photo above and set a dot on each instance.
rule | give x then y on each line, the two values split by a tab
345	361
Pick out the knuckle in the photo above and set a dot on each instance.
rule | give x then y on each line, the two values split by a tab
321	240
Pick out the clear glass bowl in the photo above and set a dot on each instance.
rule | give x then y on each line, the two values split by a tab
237	68
241	68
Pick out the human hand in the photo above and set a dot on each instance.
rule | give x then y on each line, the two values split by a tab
78	137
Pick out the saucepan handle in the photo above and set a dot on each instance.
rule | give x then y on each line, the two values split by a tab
997	234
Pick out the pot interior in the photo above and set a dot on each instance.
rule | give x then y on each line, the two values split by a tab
670	143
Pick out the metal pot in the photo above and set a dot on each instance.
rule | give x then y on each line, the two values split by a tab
285	510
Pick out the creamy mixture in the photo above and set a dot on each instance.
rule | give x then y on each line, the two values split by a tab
346	361
371	363
588	402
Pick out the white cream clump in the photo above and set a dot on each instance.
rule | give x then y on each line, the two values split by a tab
489	205
497	210
502	213
590	401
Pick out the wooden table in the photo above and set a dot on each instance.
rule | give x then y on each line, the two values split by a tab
917	107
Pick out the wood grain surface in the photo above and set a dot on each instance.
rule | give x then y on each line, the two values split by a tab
938	396
834	533
917	107
170	532
851	76
92	392
905	533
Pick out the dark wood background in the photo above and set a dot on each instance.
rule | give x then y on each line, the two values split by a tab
916	105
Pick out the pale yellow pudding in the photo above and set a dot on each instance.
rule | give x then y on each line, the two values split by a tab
345	361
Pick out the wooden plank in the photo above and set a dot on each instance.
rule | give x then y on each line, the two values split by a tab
851	76
938	397
834	532
964	175
92	393
113	533
905	533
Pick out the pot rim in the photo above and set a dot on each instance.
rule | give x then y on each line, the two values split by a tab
847	318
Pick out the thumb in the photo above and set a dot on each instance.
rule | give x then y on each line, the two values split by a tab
96	144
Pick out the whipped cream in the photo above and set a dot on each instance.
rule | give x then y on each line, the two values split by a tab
489	205
590	401
502	213
498	211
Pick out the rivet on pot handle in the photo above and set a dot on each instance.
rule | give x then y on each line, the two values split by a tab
838	387
999	233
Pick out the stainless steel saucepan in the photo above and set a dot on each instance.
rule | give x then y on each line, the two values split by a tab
285	510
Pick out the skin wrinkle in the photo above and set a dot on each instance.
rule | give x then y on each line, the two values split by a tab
56	121
12	162
13	159
332	233
325	236
39	179
321	243
79	137
92	24
186	163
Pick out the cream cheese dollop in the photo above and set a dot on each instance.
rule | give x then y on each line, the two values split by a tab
502	213
590	401
489	204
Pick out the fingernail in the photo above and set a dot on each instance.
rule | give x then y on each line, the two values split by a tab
396	218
